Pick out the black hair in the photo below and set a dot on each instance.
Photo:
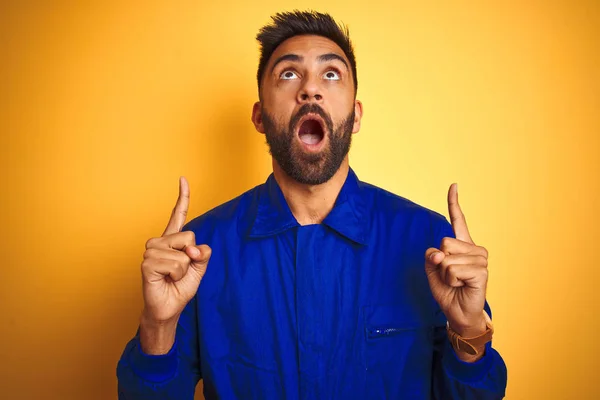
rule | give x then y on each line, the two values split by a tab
289	24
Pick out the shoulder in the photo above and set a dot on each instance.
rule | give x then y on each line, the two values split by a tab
386	202
234	214
397	215
387	206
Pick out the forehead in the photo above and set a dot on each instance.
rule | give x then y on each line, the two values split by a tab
308	46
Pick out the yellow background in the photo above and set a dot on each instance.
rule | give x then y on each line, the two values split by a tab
103	105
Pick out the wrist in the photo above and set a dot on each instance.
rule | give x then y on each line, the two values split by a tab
469	341
157	337
470	358
469	331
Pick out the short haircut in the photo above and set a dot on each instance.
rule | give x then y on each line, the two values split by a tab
289	24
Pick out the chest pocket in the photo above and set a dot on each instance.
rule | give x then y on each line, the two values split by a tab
398	350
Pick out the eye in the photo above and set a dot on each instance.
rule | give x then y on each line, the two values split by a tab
288	75
332	76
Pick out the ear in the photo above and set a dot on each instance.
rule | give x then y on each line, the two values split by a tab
257	117
358	113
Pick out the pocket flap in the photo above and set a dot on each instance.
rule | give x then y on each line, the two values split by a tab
390	320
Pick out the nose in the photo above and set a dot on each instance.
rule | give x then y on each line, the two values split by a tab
310	91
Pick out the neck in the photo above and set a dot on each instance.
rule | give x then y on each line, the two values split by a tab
310	204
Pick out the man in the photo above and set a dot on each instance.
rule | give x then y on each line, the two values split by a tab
320	286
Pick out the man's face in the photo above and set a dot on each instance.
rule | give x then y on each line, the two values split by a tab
308	111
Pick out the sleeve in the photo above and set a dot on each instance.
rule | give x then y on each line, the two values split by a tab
453	378
170	376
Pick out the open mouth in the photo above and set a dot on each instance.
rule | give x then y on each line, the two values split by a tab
311	130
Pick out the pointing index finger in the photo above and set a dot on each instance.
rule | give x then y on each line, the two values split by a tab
457	218
179	213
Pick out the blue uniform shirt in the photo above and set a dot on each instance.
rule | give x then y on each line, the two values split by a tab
337	310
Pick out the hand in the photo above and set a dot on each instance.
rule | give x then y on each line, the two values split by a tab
172	269
458	274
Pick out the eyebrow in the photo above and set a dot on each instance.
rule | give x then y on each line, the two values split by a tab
322	58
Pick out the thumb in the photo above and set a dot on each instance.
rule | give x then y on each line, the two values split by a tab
433	257
200	255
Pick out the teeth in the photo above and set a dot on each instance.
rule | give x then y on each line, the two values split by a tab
310	138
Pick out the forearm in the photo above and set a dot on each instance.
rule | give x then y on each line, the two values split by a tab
483	378
162	360
145	377
157	338
470	332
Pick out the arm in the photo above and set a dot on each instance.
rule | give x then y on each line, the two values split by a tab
456	379
173	375
457	273
162	360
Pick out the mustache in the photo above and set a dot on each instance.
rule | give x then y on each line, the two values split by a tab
311	108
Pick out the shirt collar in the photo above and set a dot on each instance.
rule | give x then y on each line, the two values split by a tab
348	216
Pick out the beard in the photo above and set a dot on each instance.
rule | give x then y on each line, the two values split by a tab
303	167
